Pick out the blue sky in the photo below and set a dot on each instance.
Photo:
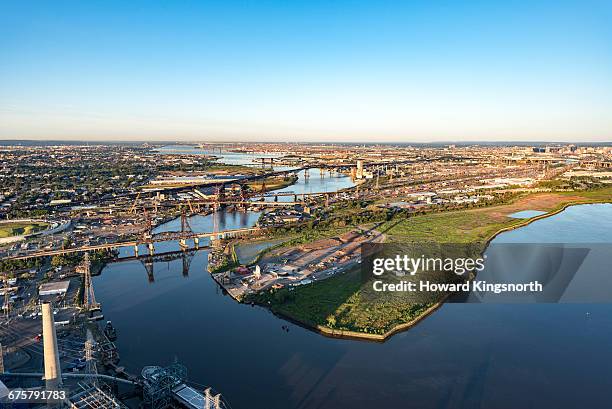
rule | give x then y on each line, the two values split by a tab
312	71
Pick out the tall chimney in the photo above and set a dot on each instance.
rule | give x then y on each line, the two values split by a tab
53	371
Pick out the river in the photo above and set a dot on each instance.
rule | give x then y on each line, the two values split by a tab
225	157
462	356
314	183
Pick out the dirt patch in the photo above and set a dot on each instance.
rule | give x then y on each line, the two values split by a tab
542	201
320	244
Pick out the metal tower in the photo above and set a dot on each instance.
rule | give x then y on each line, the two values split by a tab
89	298
7	299
159	383
1	359
90	363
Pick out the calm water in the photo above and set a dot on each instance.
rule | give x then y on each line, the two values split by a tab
199	224
462	356
225	157
314	184
247	252
526	214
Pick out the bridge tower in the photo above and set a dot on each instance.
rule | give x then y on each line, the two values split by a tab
90	363
156	202
186	258
148	264
135	204
148	232
211	401
243	197
185	229
89	298
214	238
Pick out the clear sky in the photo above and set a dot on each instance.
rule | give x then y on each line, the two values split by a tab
306	71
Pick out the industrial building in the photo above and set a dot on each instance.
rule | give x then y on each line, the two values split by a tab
54	288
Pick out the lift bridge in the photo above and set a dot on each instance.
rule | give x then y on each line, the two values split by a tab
147	239
185	253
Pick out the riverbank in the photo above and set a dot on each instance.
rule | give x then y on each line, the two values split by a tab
333	307
272	183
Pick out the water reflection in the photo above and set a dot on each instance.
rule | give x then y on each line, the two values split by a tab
462	356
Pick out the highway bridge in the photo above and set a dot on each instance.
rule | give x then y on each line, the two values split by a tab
181	237
195	205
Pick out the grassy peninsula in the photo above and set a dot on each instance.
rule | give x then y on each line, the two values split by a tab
335	306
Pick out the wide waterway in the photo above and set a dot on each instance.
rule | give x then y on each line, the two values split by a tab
314	183
462	356
225	157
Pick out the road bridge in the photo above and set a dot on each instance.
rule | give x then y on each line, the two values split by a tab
151	203
149	241
259	203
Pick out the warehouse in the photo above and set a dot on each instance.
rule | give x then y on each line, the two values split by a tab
58	287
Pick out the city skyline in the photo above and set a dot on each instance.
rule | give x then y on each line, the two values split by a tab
311	72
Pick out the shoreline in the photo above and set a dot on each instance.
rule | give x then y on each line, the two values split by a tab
359	336
347	334
530	220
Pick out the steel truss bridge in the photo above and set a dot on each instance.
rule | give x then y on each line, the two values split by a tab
181	237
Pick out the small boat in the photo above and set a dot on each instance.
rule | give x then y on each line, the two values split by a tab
110	331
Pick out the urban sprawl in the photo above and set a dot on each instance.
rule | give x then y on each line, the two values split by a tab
68	210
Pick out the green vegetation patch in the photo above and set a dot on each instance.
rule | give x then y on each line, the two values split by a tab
21	228
272	183
451	227
337	303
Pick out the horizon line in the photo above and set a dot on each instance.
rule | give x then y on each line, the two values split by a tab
356	142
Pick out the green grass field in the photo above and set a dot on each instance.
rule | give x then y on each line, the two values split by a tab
16	229
272	183
451	227
336	303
